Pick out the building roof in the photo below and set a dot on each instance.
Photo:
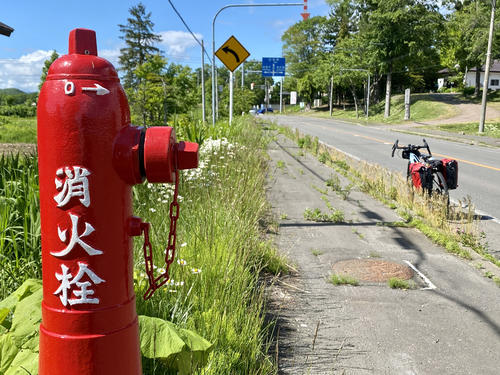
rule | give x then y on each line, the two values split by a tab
444	72
5	29
495	67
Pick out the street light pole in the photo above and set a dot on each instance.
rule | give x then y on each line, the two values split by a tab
487	69
213	39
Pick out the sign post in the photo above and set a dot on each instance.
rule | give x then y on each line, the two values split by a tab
232	54
274	67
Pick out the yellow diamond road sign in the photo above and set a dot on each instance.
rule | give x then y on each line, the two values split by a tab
232	53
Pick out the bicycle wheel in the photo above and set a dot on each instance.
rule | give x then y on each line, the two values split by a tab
439	184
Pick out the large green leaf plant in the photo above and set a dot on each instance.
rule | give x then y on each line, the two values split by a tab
179	349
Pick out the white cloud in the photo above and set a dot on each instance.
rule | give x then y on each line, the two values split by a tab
112	55
177	42
23	73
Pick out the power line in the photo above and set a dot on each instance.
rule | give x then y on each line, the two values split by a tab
188	28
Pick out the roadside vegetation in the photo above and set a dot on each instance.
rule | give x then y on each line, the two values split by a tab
451	227
343	280
491	129
397	283
423	107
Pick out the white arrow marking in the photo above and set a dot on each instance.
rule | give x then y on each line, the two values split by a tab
98	89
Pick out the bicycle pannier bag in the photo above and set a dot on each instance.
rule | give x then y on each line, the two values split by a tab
450	172
421	176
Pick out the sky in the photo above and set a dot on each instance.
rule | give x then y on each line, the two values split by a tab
43	26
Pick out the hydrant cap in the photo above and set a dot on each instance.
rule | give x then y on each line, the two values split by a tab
82	60
187	155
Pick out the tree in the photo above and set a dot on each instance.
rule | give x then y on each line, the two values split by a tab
304	43
164	90
148	99
140	39
406	33
342	22
181	90
467	37
348	68
46	66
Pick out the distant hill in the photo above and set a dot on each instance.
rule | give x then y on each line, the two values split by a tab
11	92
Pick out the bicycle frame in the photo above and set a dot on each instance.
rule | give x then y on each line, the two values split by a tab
412	153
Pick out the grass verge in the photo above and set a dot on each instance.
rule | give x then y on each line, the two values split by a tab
491	129
423	107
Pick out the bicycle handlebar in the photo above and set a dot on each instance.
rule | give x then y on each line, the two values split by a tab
410	147
394	147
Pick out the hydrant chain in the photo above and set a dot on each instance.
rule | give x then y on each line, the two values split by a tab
155	283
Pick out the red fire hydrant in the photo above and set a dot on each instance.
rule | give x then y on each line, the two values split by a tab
89	158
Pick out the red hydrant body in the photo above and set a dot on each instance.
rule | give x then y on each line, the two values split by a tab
89	158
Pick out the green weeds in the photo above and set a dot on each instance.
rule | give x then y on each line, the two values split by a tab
334	183
397	283
343	280
316	215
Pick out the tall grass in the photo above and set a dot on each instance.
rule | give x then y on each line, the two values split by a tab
19	221
215	289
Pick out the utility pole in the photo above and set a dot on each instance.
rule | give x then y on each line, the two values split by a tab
487	69
331	97
203	81
242	75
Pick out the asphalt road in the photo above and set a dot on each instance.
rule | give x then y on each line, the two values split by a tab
479	167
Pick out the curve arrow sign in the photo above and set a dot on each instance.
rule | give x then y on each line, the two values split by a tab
229	50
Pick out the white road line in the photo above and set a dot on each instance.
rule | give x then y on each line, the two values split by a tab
429	283
344	152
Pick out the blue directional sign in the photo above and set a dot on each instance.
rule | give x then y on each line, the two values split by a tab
273	67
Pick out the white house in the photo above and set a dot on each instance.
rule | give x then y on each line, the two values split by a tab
494	78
